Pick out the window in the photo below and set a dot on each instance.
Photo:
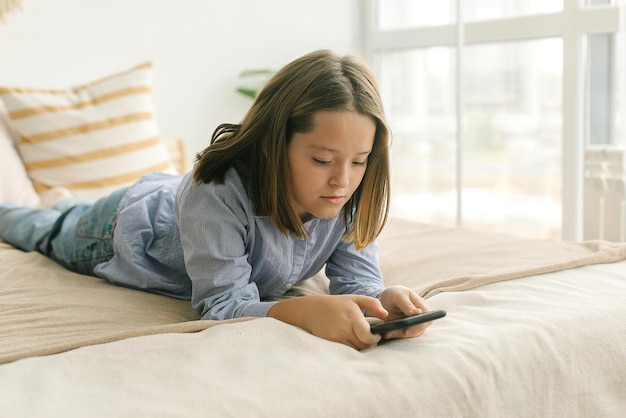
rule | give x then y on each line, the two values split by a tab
424	131
492	105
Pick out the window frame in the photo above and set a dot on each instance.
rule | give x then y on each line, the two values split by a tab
572	24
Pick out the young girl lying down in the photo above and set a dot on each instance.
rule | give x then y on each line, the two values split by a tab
301	183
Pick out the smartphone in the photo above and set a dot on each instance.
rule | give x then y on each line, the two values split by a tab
409	321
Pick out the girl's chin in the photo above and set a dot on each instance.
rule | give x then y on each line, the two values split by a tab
325	214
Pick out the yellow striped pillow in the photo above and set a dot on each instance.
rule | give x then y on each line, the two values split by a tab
90	139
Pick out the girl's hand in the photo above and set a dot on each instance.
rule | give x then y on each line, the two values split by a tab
336	318
400	302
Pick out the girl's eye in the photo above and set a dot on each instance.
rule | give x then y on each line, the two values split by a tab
321	162
360	163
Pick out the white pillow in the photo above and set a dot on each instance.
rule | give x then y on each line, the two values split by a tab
91	139
15	186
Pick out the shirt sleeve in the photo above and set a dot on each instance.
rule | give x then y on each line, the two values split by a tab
213	221
353	271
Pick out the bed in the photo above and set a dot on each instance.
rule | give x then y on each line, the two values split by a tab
533	328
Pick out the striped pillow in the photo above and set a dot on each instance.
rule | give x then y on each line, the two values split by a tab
90	139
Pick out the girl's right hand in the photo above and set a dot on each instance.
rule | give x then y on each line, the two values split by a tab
337	318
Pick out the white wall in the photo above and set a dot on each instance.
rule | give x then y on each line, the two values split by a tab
198	47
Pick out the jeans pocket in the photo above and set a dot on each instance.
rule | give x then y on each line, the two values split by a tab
86	236
98	221
95	224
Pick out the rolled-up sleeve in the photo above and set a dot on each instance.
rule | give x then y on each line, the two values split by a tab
353	271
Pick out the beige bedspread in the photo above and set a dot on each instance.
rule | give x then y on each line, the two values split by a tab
44	309
549	344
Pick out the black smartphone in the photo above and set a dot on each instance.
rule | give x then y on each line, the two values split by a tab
409	321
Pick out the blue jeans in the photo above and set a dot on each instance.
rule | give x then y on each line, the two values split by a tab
78	237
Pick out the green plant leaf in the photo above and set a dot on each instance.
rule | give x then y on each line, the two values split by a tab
257	72
251	93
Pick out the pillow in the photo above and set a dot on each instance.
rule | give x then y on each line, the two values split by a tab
15	186
91	139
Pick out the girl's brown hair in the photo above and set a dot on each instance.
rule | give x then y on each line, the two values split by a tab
318	81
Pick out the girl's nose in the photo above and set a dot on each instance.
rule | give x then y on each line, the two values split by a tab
340	177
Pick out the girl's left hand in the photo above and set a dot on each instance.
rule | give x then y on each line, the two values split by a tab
400	302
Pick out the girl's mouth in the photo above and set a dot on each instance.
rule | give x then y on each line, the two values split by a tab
333	200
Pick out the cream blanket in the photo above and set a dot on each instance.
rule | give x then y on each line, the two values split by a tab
45	309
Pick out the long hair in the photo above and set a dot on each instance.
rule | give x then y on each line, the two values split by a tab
319	81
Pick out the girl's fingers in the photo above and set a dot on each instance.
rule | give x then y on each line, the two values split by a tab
372	305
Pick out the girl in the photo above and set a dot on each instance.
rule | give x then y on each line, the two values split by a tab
301	183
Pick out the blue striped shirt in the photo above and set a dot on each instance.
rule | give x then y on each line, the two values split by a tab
204	243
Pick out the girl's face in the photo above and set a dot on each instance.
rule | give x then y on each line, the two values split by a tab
327	164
